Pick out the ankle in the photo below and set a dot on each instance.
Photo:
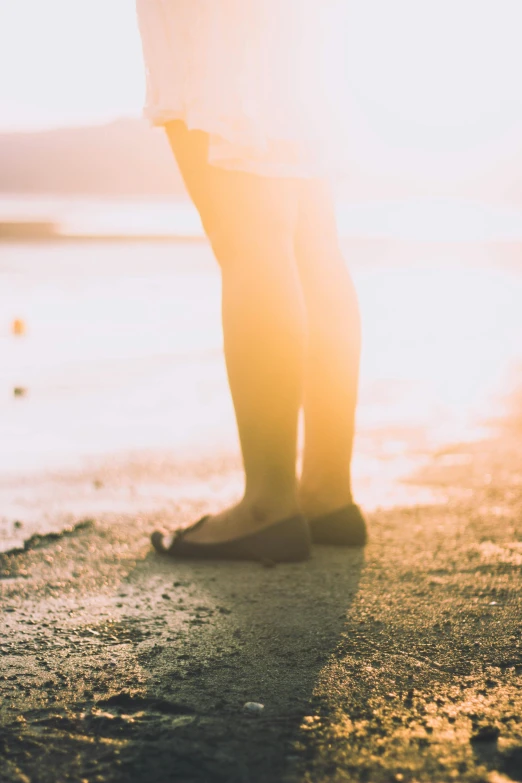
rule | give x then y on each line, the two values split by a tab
268	505
316	501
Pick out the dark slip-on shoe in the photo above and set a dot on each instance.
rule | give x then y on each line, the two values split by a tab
286	541
344	527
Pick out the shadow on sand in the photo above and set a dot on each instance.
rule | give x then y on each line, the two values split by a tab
257	635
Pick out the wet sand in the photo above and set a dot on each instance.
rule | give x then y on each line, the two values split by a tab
125	382
399	663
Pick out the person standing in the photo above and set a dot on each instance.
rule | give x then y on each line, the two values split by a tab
244	91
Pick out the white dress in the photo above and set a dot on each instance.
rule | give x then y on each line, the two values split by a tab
261	77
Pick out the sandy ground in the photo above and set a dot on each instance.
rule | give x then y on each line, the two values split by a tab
399	663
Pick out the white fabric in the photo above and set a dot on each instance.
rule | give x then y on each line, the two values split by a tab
259	76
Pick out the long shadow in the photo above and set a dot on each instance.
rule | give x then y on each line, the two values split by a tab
261	635
202	641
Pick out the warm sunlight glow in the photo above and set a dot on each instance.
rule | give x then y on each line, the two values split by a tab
260	390
429	93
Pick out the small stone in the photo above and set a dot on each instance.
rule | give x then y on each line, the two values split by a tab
19	391
253	707
166	596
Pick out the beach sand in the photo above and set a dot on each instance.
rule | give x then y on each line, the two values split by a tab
402	662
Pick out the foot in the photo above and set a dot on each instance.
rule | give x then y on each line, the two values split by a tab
240	520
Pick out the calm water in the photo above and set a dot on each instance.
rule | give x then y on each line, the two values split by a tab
123	354
425	220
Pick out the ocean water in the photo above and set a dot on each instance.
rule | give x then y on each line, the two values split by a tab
122	356
421	220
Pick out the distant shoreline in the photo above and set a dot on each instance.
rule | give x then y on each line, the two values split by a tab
47	231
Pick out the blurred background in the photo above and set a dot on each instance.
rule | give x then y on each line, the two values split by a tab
111	370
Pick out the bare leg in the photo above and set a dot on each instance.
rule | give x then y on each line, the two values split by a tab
333	352
251	224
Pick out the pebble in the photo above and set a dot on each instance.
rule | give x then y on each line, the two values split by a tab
253	707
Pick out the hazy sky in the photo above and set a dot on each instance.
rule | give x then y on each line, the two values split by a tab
68	62
453	66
